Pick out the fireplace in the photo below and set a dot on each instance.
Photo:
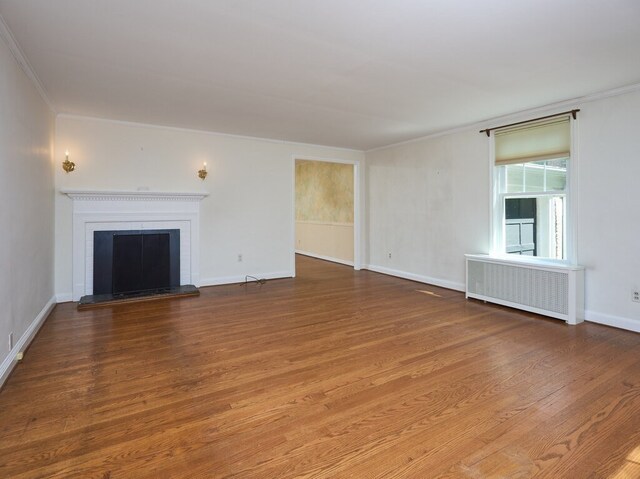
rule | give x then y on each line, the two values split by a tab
127	262
141	211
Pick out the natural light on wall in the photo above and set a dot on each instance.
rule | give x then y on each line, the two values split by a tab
530	186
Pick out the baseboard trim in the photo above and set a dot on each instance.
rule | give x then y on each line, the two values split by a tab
443	283
614	321
241	278
21	345
325	258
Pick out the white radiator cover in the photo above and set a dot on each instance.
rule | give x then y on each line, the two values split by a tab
546	288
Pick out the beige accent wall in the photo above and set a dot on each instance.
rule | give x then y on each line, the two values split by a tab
325	240
324	209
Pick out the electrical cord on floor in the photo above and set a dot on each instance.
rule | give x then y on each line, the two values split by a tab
259	281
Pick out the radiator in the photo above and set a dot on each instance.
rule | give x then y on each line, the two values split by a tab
546	288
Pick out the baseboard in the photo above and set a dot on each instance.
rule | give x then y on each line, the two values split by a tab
416	277
64	298
325	258
10	361
241	278
614	321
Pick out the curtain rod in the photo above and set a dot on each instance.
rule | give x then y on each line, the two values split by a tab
489	130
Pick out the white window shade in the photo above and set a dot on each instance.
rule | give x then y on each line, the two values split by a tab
534	141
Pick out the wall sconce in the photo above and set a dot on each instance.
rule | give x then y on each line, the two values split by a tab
67	165
203	172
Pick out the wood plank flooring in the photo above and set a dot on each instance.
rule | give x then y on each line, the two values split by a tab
335	373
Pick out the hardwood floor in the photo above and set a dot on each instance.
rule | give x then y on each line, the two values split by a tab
336	373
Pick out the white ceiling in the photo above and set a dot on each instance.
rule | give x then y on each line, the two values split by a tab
351	73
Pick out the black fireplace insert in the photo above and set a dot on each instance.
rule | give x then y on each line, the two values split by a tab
127	262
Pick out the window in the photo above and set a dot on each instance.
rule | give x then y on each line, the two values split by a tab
531	189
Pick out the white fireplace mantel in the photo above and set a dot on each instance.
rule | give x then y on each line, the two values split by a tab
98	195
133	210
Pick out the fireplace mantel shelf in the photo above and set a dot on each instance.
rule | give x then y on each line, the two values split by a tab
104	195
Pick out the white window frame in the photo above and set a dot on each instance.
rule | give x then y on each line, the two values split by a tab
496	206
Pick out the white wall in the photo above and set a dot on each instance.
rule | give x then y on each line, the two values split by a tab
250	207
26	205
428	204
609	202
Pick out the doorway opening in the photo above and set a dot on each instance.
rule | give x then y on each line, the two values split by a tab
326	210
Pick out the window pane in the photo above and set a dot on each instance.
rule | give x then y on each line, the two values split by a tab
559	163
535	226
556	175
534	177
515	178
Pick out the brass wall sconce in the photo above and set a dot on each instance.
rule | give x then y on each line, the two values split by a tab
67	165
202	174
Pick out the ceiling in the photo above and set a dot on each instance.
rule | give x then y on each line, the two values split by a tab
350	73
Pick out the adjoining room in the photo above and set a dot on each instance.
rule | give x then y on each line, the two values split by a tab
325	210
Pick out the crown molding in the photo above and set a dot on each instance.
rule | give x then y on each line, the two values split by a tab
19	56
72	116
550	108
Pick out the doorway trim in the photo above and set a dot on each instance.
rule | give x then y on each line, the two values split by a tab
357	206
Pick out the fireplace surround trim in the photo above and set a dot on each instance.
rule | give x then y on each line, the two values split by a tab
133	210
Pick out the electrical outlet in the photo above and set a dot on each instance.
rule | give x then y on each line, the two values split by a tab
635	296
389	255
239	258
10	341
